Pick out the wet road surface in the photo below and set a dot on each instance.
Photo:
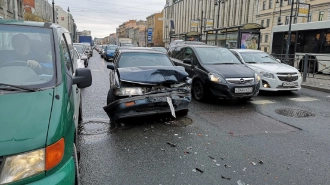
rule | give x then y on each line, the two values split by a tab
276	138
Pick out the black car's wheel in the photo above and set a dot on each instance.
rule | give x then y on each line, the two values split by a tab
110	97
101	56
198	90
76	163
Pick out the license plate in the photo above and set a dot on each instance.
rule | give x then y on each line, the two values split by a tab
289	84
243	90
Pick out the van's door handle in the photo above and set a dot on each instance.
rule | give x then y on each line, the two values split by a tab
77	90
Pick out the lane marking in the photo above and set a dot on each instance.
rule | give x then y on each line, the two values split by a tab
261	102
303	99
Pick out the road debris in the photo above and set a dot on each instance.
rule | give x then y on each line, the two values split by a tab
228	178
231	133
194	170
261	162
190	147
218	164
227	166
244	169
162	149
211	157
239	182
199	170
253	163
186	152
171	144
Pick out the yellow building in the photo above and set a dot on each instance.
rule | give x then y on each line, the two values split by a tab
155	22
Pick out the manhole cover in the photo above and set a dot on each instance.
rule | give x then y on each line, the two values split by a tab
296	113
94	127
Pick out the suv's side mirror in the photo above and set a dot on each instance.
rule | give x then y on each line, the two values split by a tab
111	66
83	78
187	61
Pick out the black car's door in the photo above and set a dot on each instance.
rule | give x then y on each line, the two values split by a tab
186	54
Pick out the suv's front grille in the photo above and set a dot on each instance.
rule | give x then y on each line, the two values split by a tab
240	80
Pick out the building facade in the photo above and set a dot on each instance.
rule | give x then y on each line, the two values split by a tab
272	13
38	10
184	16
65	19
155	23
12	9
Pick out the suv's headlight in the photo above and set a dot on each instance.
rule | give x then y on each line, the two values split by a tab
257	77
266	74
129	91
23	165
216	78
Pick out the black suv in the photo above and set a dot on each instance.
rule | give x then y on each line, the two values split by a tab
215	71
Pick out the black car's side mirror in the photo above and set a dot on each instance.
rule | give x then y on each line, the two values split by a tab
111	66
187	61
83	78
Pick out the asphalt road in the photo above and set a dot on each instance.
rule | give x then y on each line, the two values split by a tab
219	142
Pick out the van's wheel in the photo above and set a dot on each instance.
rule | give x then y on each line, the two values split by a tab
198	90
76	164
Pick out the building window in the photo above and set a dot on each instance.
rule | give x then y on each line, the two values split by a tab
267	23
321	15
262	23
287	19
270	4
309	19
265	49
289	2
261	38
266	38
264	5
281	3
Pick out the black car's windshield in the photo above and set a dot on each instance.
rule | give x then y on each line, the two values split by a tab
80	49
257	57
27	57
216	55
136	59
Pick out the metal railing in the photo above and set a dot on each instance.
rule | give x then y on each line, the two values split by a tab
307	64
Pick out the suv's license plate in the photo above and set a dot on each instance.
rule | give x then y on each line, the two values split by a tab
290	84
243	90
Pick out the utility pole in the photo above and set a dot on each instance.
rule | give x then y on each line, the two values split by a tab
68	19
145	34
288	42
53	11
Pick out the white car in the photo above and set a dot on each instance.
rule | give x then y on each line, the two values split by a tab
275	76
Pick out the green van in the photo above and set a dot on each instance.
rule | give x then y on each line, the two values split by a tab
40	104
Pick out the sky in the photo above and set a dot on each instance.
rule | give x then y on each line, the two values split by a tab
102	17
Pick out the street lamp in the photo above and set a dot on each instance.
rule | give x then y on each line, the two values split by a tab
279	19
217	2
53	12
166	27
68	19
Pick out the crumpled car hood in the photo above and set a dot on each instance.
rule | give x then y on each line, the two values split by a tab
153	74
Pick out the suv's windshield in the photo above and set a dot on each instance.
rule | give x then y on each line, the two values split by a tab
257	57
27	57
143	59
216	55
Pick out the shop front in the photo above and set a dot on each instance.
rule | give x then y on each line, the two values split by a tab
246	36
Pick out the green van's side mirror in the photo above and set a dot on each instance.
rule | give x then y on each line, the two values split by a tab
83	78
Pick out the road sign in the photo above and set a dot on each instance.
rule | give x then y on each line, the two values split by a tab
149	38
149	31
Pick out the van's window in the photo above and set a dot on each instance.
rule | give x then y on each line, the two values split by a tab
66	54
27	56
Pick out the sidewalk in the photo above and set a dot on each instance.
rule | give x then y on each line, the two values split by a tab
319	82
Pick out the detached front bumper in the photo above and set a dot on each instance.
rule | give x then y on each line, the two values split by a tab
147	105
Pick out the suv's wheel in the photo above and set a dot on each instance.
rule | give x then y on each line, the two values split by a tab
198	90
76	164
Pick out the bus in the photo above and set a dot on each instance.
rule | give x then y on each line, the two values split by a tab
312	38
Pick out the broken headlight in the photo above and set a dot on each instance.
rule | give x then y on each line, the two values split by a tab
129	91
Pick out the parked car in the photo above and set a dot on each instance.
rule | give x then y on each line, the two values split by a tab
109	51
145	82
87	48
216	72
40	105
161	49
102	50
77	57
275	76
82	53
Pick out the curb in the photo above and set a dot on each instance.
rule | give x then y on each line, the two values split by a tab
316	88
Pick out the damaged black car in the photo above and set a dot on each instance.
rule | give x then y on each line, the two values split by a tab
144	82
